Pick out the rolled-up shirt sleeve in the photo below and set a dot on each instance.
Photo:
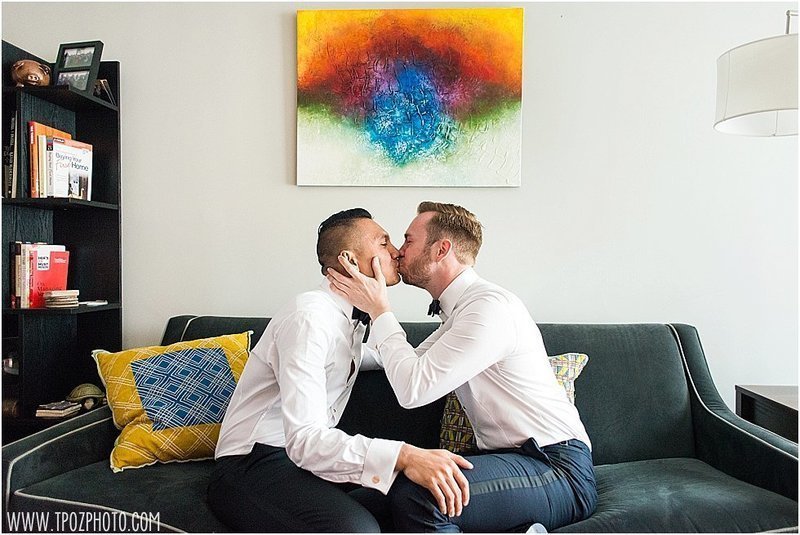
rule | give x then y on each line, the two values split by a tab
479	337
311	443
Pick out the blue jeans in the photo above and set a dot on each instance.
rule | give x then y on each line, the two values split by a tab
509	491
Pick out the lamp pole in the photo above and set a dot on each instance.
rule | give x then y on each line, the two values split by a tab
789	14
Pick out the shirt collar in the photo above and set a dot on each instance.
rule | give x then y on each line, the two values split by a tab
456	289
341	302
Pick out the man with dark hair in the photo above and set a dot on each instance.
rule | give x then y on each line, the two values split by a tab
535	461
282	466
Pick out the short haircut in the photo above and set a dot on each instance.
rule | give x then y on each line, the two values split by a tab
336	234
457	224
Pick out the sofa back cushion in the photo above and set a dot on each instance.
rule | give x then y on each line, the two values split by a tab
373	410
385	417
633	395
181	328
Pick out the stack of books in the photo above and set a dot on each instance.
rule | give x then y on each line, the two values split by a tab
61	298
36	268
59	165
58	409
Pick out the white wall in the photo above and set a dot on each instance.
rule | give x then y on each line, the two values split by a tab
632	208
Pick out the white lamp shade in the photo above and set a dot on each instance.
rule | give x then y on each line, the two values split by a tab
757	88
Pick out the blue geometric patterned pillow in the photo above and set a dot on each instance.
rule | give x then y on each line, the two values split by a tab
187	387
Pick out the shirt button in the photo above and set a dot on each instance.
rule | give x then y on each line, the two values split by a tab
376	479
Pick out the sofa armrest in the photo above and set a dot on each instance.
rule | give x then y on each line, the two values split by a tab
77	442
727	442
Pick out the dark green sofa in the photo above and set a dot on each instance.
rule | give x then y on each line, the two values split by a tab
669	454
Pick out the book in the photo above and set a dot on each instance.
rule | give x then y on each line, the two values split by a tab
61	293
71	169
42	141
57	409
49	267
15	155
46	166
34	131
23	275
34	270
48	163
7	167
10	161
14	279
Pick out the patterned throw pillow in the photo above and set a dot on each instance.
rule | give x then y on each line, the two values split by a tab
169	400
456	433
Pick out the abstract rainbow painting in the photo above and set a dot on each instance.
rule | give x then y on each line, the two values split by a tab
409	97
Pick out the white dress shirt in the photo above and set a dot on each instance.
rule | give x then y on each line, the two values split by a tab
294	388
489	350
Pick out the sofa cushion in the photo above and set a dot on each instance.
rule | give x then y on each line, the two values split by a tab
663	495
681	495
634	397
457	434
169	400
175	492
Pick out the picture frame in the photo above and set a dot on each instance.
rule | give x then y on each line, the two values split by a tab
77	65
402	104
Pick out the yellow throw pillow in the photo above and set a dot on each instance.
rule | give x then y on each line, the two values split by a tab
456	433
169	401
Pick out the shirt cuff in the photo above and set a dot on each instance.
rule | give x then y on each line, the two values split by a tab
379	472
382	328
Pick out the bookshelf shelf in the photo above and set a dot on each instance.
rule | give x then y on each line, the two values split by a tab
52	347
66	97
52	203
81	309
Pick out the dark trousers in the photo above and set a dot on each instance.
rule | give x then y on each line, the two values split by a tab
509	491
264	491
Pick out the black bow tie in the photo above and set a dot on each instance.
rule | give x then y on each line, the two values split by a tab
360	315
435	308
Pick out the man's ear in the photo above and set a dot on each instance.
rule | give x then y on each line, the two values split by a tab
350	256
443	249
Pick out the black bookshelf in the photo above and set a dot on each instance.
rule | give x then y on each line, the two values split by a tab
52	347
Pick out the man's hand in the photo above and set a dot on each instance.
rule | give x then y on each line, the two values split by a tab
439	471
364	292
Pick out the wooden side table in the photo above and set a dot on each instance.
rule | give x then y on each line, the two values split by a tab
771	407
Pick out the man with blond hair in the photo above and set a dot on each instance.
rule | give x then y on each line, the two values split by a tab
535	463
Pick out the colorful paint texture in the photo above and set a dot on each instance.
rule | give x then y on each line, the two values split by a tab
413	97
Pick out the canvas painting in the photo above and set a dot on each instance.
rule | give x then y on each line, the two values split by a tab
409	97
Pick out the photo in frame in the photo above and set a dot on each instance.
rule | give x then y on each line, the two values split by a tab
409	97
77	65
